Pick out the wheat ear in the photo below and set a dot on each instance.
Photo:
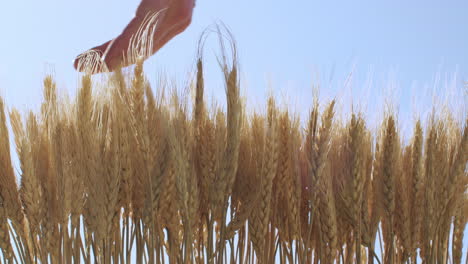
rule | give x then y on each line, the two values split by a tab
259	225
429	190
389	162
459	224
8	186
139	138
417	181
30	190
327	213
5	244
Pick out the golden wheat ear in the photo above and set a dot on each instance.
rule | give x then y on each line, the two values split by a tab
91	62
142	44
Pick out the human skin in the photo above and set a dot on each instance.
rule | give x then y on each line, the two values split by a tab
174	16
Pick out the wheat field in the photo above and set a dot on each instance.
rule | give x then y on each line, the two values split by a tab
126	176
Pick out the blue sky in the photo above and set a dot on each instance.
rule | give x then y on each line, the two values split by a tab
288	44
420	48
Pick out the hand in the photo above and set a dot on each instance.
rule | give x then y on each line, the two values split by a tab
155	23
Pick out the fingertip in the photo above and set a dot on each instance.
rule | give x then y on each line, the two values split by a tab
75	63
88	62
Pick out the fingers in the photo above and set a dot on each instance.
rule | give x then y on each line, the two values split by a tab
91	60
110	55
155	24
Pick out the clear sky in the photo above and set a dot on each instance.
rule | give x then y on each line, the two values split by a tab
288	44
285	43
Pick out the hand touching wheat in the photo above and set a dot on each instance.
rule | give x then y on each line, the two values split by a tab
155	23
